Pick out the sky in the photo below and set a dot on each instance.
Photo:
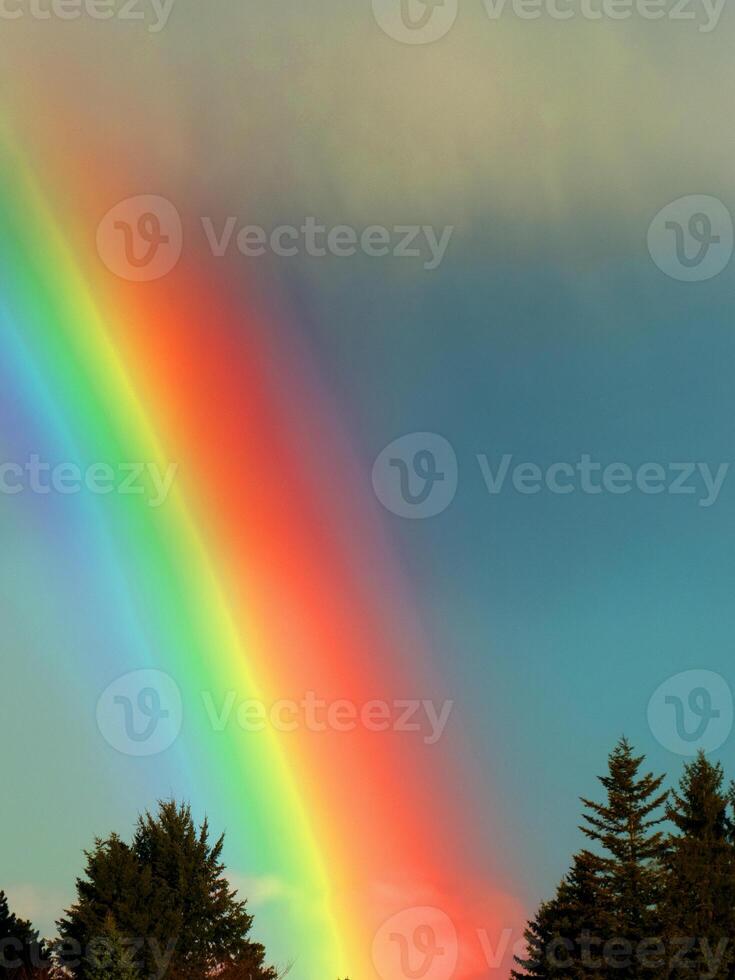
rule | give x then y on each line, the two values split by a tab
559	323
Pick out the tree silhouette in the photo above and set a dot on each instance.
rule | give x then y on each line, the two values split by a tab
640	904
111	958
606	907
22	954
560	938
625	828
699	900
166	892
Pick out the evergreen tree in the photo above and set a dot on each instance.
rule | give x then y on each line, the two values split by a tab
561	939
632	849
540	936
699	900
167	889
586	914
22	953
110	958
115	884
606	906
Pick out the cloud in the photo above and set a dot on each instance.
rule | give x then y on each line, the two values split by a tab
41	904
260	890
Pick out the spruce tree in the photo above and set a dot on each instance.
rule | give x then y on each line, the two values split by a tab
22	953
114	884
110	958
699	900
585	905
632	849
561	940
168	889
540	935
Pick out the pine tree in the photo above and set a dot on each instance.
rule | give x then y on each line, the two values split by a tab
561	939
540	936
585	905
22	953
168	889
624	827
114	884
110	958
699	900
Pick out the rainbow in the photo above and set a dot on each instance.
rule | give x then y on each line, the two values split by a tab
266	575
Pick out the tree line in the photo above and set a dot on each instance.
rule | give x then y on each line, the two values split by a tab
653	895
157	906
